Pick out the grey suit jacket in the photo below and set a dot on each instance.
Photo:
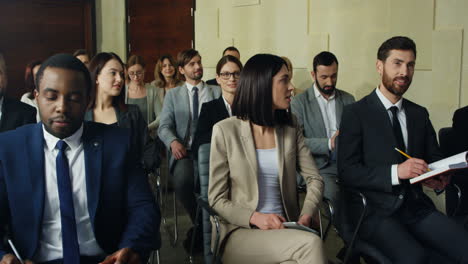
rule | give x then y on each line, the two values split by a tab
307	111
175	119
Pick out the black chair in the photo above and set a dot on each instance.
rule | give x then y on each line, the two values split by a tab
356	247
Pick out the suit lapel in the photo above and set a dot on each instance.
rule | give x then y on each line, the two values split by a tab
37	171
249	146
223	112
209	92
92	146
338	108
316	113
382	120
279	138
183	107
410	126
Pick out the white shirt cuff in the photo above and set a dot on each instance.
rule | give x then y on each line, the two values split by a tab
329	144
395	179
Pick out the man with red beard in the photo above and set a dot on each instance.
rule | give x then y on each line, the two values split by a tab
401	221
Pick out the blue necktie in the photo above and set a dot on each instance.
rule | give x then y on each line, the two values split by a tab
71	249
195	103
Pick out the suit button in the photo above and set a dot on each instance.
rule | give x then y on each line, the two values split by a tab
400	196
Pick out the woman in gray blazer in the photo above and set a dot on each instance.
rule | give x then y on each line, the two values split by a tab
253	163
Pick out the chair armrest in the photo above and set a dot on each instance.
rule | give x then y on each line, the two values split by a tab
206	206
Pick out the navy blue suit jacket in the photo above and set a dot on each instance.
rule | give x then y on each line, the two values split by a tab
121	206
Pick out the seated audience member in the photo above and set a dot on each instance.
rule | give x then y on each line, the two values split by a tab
460	144
401	221
29	81
233	51
295	90
228	72
179	119
107	104
83	56
165	78
139	93
254	158
319	111
13	113
71	191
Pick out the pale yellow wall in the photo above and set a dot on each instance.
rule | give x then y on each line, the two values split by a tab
353	31
110	27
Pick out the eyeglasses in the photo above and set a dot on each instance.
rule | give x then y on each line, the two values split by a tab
227	75
131	74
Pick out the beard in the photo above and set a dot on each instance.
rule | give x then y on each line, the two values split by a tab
327	89
394	88
196	76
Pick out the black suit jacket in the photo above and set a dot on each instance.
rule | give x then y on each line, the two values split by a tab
366	154
211	113
460	130
16	114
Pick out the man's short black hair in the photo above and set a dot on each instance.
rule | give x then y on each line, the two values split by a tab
64	61
231	48
395	43
324	58
80	52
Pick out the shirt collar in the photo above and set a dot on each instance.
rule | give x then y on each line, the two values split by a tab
228	106
72	141
387	104
200	86
318	94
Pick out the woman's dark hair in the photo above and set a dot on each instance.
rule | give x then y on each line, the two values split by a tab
226	59
160	81
254	97
29	78
95	66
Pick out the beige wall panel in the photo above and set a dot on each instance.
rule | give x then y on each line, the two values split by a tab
452	14
110	27
415	19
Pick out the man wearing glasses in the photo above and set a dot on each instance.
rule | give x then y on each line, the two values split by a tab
179	118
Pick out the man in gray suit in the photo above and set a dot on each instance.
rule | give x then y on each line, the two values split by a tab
319	110
179	119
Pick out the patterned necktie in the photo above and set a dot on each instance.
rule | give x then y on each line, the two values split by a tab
195	103
71	248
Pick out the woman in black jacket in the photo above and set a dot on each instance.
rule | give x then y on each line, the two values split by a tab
107	101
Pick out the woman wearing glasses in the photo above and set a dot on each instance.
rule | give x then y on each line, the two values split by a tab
228	72
141	94
253	162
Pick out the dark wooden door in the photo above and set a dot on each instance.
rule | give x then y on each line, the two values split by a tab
157	27
36	29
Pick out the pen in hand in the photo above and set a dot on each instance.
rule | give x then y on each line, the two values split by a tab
406	155
15	251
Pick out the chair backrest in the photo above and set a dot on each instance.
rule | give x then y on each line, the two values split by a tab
446	141
204	173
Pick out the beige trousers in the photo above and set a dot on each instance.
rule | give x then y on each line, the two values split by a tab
273	246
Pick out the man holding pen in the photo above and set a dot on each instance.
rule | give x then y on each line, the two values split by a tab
401	221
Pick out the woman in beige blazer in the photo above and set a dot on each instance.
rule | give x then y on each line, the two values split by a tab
253	163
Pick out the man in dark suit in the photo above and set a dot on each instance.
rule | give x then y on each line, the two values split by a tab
401	221
13	113
71	191
459	144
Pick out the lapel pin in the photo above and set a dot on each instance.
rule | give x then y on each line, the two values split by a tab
96	144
